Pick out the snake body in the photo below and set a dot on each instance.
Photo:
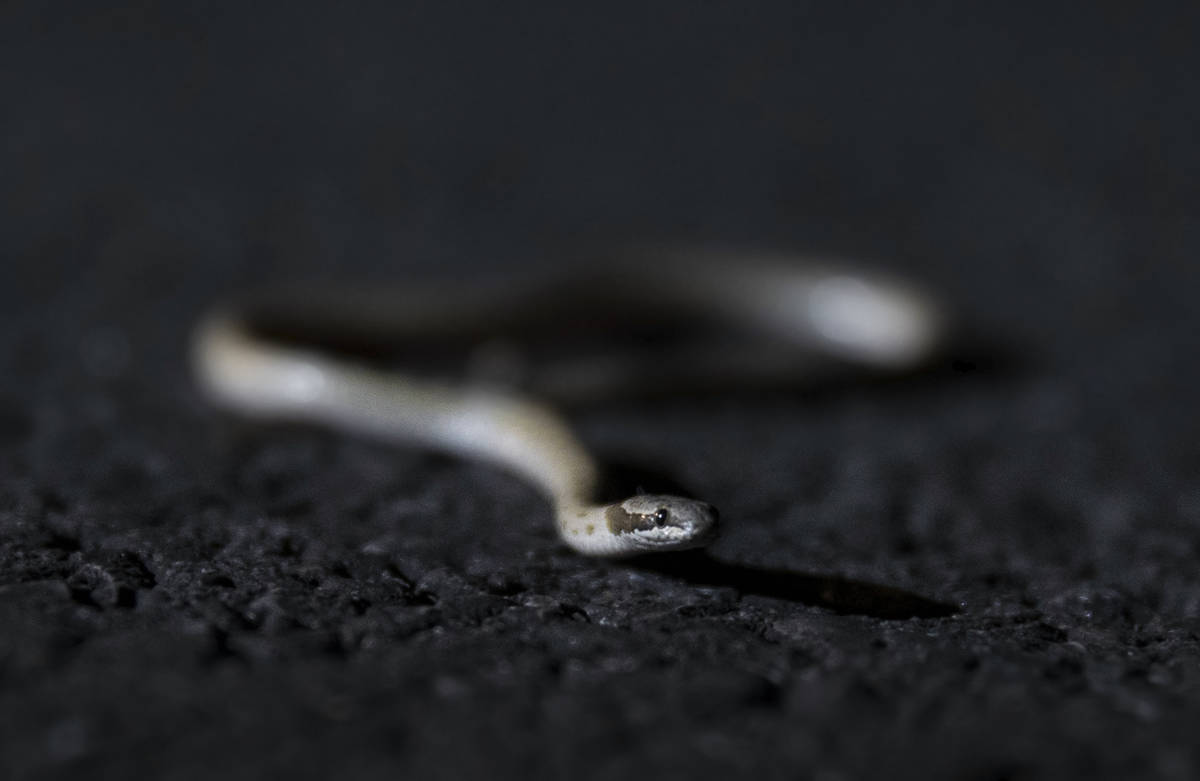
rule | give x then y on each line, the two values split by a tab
856	317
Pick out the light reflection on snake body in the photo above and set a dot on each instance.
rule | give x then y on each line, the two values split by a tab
855	317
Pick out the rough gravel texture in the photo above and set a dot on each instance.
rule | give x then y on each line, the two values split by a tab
185	595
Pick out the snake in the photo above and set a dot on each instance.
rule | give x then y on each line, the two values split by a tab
251	359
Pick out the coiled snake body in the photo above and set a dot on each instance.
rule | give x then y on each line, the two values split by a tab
857	318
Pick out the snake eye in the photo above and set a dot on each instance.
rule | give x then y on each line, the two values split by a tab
660	517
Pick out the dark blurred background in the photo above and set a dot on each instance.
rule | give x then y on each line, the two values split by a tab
185	595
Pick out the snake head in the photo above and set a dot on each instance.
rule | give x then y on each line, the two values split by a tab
663	523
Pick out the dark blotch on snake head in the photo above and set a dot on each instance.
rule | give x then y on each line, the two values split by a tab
661	522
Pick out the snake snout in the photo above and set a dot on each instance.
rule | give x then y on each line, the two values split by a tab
703	525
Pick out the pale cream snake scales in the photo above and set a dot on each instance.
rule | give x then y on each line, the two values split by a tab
855	317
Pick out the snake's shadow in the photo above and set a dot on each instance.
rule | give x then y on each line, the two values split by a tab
842	595
974	356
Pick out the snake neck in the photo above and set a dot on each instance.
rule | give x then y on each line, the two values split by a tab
585	529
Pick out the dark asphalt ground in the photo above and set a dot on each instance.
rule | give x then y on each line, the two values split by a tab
185	595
